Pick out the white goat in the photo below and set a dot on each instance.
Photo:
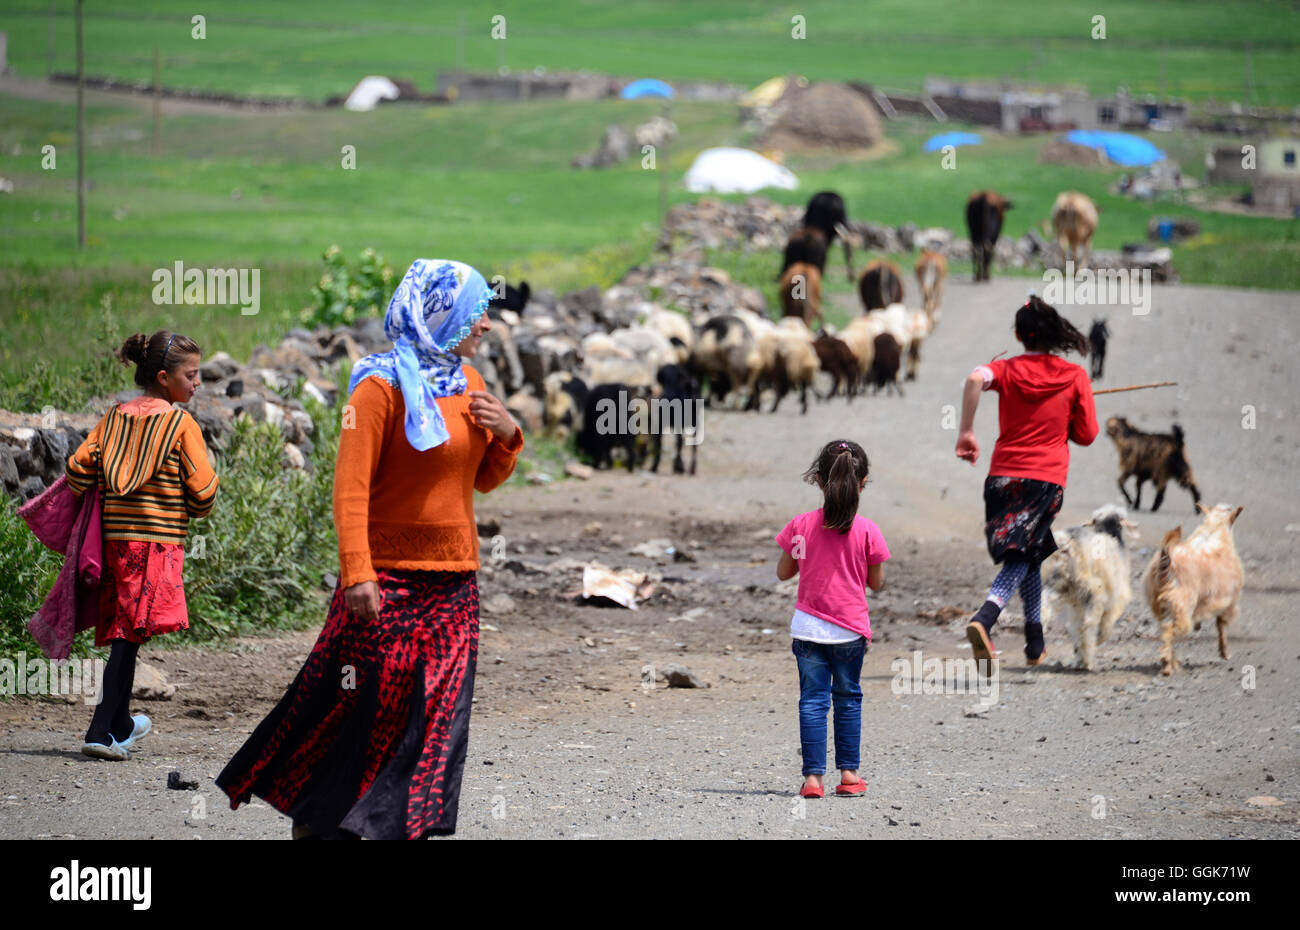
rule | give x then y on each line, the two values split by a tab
1086	581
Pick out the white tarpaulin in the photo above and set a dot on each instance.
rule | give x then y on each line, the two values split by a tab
369	91
736	171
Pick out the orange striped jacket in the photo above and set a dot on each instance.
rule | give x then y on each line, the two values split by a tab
153	472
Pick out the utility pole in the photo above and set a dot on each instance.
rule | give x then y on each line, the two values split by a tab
157	98
81	136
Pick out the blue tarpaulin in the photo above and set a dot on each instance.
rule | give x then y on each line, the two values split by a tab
1120	147
955	139
646	87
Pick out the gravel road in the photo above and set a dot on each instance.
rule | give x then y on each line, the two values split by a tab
566	741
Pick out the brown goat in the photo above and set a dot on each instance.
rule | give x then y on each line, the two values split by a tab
801	293
931	270
1193	580
1154	457
838	361
881	284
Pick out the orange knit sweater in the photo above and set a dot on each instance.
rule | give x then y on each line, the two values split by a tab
396	507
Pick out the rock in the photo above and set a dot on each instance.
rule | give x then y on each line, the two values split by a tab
151	683
578	470
488	528
499	604
1264	800
655	131
526	409
176	783
614	147
591	529
293	457
218	367
679	676
235	387
654	549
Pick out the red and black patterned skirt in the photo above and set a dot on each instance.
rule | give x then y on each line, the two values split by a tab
370	739
1018	516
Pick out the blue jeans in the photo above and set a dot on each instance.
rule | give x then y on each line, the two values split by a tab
826	672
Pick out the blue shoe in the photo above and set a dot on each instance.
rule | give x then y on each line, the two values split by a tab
141	725
116	752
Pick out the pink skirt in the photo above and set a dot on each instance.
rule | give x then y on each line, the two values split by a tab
141	594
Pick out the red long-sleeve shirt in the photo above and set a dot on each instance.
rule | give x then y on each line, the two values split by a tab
1043	402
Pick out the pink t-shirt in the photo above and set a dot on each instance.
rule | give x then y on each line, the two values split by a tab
833	567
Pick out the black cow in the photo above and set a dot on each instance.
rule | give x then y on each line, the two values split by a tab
985	211
825	212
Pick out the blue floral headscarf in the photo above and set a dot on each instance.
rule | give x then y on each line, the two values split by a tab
433	309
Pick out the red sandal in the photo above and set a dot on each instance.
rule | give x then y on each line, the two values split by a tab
855	790
811	791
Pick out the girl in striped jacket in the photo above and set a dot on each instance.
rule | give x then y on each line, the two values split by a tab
151	466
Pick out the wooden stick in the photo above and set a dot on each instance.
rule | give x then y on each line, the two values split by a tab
1135	387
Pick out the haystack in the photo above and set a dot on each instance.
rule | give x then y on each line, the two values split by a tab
823	115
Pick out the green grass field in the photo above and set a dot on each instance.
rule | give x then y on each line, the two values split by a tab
491	183
1189	48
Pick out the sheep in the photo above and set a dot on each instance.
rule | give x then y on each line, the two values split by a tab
931	271
676	329
884	366
1154	457
725	354
677	415
788	361
511	298
566	400
918	328
800	290
626	356
1086	581
881	284
1097	337
840	362
1193	579
860	337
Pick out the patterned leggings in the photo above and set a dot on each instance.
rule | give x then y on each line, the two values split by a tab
1023	574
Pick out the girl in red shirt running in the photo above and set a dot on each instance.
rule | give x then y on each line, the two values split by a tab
1043	402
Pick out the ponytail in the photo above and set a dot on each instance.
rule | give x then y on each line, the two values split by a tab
163	351
1042	329
838	470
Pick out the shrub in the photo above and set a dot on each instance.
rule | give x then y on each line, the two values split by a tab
343	293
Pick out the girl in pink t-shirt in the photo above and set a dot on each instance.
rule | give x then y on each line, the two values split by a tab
837	555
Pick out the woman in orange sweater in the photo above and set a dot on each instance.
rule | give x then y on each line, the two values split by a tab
370	739
149	460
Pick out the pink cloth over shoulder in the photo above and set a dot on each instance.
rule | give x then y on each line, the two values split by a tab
144	406
69	524
833	567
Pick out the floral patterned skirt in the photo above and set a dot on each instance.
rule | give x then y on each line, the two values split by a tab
140	593
1018	516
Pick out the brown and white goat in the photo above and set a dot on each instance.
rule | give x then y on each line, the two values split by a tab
1086	581
931	271
1192	579
1154	457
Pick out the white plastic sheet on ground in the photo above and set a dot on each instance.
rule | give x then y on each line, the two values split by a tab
736	171
624	587
369	91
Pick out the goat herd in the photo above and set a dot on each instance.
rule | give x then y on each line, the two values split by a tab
662	364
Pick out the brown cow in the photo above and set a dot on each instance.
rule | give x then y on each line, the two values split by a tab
1074	217
931	271
801	293
881	284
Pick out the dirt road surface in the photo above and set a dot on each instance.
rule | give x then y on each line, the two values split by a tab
567	740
